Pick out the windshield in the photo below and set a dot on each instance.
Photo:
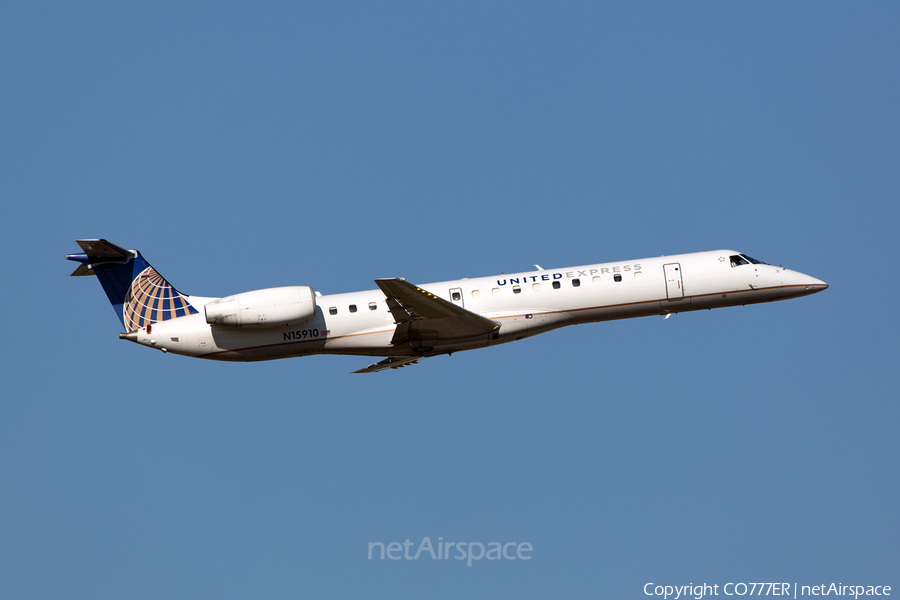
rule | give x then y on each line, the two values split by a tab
753	260
742	259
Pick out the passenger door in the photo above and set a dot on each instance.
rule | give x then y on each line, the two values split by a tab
674	282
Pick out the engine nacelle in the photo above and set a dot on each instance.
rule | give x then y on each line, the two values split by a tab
270	307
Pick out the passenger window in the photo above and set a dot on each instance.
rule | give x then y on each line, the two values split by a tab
476	294
638	275
332	310
617	278
495	291
517	289
576	282
456	296
596	279
352	308
555	285
536	287
373	306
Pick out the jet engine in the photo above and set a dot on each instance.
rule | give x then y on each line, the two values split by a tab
270	307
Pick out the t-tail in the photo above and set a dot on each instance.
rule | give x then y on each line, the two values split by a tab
139	295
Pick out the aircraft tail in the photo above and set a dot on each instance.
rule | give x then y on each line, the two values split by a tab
139	295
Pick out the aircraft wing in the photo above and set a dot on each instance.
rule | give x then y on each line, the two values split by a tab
420	315
394	362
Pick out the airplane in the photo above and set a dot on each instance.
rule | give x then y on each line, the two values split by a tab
403	323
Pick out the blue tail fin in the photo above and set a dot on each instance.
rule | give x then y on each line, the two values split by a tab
139	295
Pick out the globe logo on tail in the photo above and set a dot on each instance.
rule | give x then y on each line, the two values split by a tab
151	299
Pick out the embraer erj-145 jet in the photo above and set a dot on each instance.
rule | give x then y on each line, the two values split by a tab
404	323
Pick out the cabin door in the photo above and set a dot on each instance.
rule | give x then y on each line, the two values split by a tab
674	283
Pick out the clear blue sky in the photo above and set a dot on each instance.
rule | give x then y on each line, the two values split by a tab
242	146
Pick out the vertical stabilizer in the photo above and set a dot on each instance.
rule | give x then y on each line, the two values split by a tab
139	294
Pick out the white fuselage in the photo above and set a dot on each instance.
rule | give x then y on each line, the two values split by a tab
523	304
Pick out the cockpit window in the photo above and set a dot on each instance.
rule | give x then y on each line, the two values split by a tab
742	259
753	260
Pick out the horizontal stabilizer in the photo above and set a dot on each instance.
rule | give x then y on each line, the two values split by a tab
82	270
98	253
102	251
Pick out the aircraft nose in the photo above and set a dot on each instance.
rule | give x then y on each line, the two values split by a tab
811	284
